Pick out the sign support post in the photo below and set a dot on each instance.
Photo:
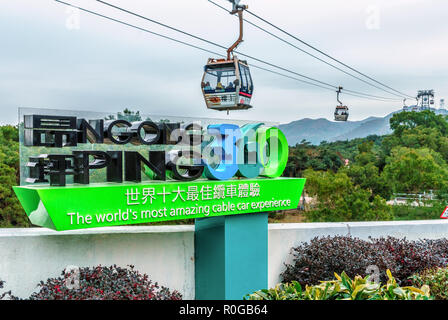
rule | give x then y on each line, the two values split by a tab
231	256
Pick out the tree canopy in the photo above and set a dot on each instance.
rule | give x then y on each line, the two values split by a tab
11	212
413	159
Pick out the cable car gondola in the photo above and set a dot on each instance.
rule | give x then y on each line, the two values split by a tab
341	112
227	83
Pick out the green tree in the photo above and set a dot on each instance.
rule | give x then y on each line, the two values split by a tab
365	171
420	137
304	155
369	178
338	199
402	121
415	170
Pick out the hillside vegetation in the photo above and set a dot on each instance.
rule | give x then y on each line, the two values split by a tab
413	159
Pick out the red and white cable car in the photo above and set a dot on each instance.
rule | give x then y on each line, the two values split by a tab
341	112
227	83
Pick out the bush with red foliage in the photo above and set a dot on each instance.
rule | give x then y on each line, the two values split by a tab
319	259
6	295
105	283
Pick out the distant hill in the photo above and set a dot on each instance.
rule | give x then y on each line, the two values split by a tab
318	130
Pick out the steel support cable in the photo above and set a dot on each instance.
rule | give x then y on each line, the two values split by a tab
371	95
139	28
327	55
161	24
329	87
315	57
290	77
364	97
184	43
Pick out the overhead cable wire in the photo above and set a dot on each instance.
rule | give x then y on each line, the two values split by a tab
241	53
369	98
325	54
183	42
216	44
161	24
327	86
361	95
371	95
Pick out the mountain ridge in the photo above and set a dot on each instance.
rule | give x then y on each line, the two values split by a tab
317	130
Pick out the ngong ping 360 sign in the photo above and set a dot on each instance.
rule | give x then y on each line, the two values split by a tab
83	172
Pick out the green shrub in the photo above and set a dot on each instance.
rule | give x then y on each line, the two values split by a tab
343	288
436	279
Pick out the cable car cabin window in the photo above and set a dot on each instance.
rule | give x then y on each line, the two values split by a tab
251	85
341	111
246	80
219	80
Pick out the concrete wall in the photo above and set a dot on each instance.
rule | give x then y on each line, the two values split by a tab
165	253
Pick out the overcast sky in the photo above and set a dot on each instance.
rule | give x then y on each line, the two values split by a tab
48	59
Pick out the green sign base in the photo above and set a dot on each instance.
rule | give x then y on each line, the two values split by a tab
231	256
110	204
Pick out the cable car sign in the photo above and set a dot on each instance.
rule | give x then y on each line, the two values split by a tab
444	214
81	172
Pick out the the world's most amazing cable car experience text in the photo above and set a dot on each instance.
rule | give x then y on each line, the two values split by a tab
227	83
